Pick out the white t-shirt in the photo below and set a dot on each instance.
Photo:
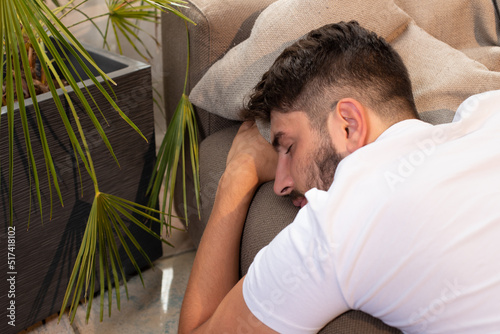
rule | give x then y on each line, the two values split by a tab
409	232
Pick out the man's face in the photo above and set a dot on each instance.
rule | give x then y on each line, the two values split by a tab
306	156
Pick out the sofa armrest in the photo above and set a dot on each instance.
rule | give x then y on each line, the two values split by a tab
220	25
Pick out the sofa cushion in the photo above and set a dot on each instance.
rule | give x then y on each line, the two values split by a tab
443	75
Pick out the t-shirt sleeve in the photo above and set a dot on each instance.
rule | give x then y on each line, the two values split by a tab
292	284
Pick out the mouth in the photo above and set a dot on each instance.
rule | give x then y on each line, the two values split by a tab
299	201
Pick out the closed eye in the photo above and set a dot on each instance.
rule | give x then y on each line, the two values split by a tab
289	148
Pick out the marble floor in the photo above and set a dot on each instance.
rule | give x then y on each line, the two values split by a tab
151	309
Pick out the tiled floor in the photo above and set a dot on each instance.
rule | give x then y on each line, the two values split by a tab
153	309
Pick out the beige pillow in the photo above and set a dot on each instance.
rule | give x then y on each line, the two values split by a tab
442	76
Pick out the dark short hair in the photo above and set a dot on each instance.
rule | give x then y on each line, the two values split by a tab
330	63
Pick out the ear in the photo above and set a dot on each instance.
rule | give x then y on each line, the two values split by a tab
354	121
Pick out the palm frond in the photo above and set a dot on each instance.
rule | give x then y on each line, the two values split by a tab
27	28
124	17
16	59
38	24
172	150
121	20
99	251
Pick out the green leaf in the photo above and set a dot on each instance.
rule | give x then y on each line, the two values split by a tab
30	25
125	17
106	220
172	150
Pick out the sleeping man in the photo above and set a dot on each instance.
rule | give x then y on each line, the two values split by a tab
399	218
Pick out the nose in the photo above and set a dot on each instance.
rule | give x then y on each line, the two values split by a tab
283	182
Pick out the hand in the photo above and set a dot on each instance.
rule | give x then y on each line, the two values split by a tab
251	155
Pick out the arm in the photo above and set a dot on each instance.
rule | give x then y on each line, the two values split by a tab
214	296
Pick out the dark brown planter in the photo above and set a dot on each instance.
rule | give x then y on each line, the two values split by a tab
45	254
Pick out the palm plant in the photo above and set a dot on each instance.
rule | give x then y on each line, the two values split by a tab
29	29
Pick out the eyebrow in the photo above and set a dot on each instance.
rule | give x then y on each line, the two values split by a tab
277	140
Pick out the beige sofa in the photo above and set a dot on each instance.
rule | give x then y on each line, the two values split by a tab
223	24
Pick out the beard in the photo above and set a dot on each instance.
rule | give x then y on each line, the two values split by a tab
321	173
325	161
